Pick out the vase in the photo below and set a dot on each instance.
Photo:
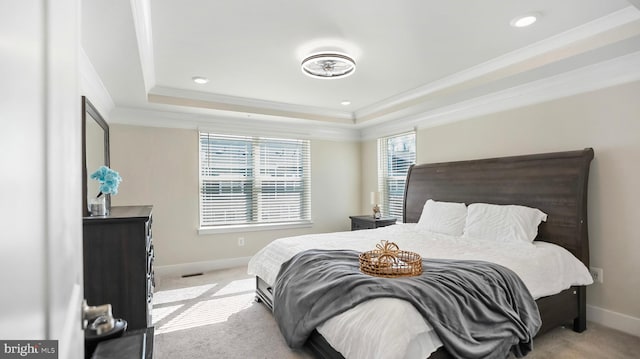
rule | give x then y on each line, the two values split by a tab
98	206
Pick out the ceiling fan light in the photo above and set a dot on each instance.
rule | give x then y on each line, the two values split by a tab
328	65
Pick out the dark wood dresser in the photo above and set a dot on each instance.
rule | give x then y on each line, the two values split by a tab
118	263
368	222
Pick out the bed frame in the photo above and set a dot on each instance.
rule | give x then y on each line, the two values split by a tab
556	183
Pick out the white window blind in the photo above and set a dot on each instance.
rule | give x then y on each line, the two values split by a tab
253	180
395	155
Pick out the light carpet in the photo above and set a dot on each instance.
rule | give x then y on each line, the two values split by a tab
214	315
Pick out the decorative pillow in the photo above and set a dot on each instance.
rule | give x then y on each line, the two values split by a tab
443	217
504	223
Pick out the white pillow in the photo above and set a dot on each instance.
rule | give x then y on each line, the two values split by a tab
443	217
506	223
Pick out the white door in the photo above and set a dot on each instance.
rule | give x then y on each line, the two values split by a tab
40	174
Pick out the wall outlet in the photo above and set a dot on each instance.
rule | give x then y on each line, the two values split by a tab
240	241
597	274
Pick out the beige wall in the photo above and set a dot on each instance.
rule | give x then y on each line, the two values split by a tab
607	120
159	166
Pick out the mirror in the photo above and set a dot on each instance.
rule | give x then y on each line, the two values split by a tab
95	152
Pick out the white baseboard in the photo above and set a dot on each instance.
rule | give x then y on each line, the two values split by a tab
178	270
622	322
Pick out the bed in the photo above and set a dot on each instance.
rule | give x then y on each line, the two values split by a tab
555	183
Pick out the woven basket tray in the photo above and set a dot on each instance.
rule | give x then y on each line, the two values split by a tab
380	263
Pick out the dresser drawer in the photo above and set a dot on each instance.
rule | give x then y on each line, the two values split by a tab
368	222
357	225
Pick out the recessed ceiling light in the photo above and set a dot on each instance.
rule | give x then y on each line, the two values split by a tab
345	103
329	65
524	20
200	80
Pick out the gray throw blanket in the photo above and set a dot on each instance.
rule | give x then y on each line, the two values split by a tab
478	309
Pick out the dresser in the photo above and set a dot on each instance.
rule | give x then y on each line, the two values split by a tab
118	263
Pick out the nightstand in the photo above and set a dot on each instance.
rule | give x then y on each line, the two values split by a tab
368	222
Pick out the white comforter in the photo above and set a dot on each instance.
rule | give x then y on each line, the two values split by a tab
398	330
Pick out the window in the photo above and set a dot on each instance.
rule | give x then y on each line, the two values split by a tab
395	155
253	180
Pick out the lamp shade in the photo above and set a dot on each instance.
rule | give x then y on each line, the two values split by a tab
375	197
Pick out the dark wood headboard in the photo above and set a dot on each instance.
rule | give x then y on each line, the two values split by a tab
555	183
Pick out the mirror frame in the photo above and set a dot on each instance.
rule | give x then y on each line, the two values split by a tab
90	113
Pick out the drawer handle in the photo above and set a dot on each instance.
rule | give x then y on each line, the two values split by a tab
270	290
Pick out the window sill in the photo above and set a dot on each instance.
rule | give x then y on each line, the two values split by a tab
253	227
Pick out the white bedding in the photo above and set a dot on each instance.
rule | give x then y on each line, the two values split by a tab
398	330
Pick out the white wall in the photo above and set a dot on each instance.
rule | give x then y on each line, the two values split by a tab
22	256
40	179
607	120
159	166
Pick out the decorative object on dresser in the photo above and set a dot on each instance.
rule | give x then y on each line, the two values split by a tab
368	222
109	181
118	263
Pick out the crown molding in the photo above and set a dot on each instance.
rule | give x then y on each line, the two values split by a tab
526	57
141	12
194	109
180	97
234	126
93	88
621	70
